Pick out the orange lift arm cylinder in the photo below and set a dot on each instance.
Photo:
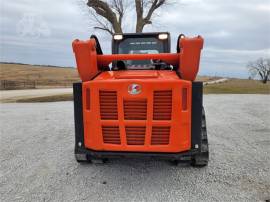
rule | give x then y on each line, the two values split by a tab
86	58
189	60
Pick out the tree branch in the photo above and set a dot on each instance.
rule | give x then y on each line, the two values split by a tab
100	23
113	11
104	29
140	4
103	9
118	6
156	4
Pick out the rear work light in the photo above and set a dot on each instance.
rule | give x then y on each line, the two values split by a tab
163	36
118	37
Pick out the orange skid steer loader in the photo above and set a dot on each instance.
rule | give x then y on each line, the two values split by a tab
141	101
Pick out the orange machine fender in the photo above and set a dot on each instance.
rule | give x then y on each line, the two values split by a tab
190	57
86	58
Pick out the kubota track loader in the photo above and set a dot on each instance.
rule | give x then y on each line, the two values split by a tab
140	101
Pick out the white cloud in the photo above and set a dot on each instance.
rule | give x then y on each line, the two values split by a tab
33	25
219	34
234	31
263	7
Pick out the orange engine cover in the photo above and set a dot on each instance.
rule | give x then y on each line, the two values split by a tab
143	111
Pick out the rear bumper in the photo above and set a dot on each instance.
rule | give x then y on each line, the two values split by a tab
87	154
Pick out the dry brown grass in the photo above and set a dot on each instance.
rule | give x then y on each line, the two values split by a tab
44	76
51	98
64	77
238	86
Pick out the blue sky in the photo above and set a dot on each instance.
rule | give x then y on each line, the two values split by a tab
235	32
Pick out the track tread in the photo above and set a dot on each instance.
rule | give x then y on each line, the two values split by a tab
201	159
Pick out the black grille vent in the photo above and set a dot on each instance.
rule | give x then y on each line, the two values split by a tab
162	105
108	105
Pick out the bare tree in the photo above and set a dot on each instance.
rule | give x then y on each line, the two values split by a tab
260	67
109	14
150	6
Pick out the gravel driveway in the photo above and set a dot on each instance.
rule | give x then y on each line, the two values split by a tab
37	162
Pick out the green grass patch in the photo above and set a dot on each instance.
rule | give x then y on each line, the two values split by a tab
51	98
238	86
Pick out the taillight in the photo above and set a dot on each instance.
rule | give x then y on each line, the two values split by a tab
184	98
87	99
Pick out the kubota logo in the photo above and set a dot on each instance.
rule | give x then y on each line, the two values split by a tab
134	89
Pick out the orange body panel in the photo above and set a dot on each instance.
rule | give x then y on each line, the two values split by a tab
157	119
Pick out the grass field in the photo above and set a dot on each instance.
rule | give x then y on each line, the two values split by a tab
238	86
51	77
23	76
233	86
46	74
51	98
43	76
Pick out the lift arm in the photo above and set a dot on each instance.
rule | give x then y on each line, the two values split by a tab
89	63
